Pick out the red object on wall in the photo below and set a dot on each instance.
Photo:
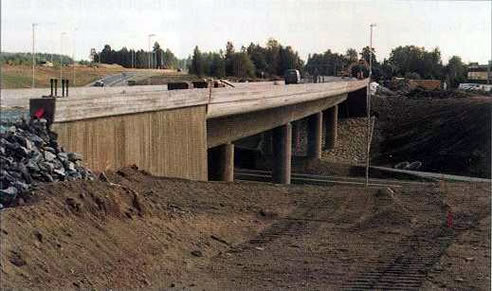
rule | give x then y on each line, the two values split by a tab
450	219
39	113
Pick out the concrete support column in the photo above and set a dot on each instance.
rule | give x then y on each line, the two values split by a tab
282	154
314	136
221	163
331	122
296	137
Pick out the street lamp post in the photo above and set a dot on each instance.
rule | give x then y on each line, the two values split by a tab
149	55
61	55
368	106
33	52
73	56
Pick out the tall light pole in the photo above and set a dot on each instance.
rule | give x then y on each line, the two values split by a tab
149	55
368	107
61	55
73	56
33	52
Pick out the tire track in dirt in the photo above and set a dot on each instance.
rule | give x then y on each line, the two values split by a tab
408	266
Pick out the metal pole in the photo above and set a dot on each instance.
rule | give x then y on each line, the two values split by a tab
33	53
73	58
368	107
61	56
150	53
488	72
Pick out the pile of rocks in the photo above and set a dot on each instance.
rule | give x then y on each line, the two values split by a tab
30	153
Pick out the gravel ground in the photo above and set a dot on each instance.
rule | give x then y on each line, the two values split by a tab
351	143
153	233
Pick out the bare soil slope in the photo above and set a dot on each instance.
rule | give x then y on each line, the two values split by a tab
451	135
148	232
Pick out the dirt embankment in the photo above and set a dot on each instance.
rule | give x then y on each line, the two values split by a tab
147	232
451	135
142	232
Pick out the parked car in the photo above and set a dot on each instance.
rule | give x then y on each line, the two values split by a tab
292	77
99	83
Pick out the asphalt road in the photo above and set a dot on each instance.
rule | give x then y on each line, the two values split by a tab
115	80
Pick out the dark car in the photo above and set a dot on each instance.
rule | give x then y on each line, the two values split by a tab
292	77
99	83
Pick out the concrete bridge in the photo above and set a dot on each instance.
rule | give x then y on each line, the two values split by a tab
191	133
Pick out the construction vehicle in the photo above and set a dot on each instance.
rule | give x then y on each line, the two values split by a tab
292	76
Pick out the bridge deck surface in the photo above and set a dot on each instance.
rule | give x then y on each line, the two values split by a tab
245	97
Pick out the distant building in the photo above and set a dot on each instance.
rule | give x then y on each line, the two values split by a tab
45	63
92	55
479	73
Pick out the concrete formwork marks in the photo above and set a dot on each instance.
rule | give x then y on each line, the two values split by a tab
166	143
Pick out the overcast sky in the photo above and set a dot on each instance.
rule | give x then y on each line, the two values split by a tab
457	27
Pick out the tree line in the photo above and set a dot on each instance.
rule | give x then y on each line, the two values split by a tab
158	58
253	61
273	59
40	58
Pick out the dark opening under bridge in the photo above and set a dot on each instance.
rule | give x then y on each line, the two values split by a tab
191	133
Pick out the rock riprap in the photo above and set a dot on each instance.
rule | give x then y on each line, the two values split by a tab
30	153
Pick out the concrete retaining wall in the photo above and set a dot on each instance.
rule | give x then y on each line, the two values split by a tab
171	143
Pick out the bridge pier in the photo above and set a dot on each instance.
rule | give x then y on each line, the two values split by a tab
282	154
314	136
296	137
221	163
331	120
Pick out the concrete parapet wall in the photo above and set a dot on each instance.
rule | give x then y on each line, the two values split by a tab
171	143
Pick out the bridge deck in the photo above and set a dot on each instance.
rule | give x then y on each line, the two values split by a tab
243	98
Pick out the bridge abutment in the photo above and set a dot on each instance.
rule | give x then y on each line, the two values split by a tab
331	121
282	154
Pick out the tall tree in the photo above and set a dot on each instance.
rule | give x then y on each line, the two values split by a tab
242	66
455	71
217	65
228	57
366	54
197	67
351	56
413	59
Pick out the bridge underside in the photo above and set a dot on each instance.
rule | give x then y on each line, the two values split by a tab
231	128
279	128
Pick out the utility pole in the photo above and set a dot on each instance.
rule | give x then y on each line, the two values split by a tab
489	77
368	107
73	57
149	54
61	55
33	52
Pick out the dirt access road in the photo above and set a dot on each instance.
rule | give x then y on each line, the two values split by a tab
151	233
